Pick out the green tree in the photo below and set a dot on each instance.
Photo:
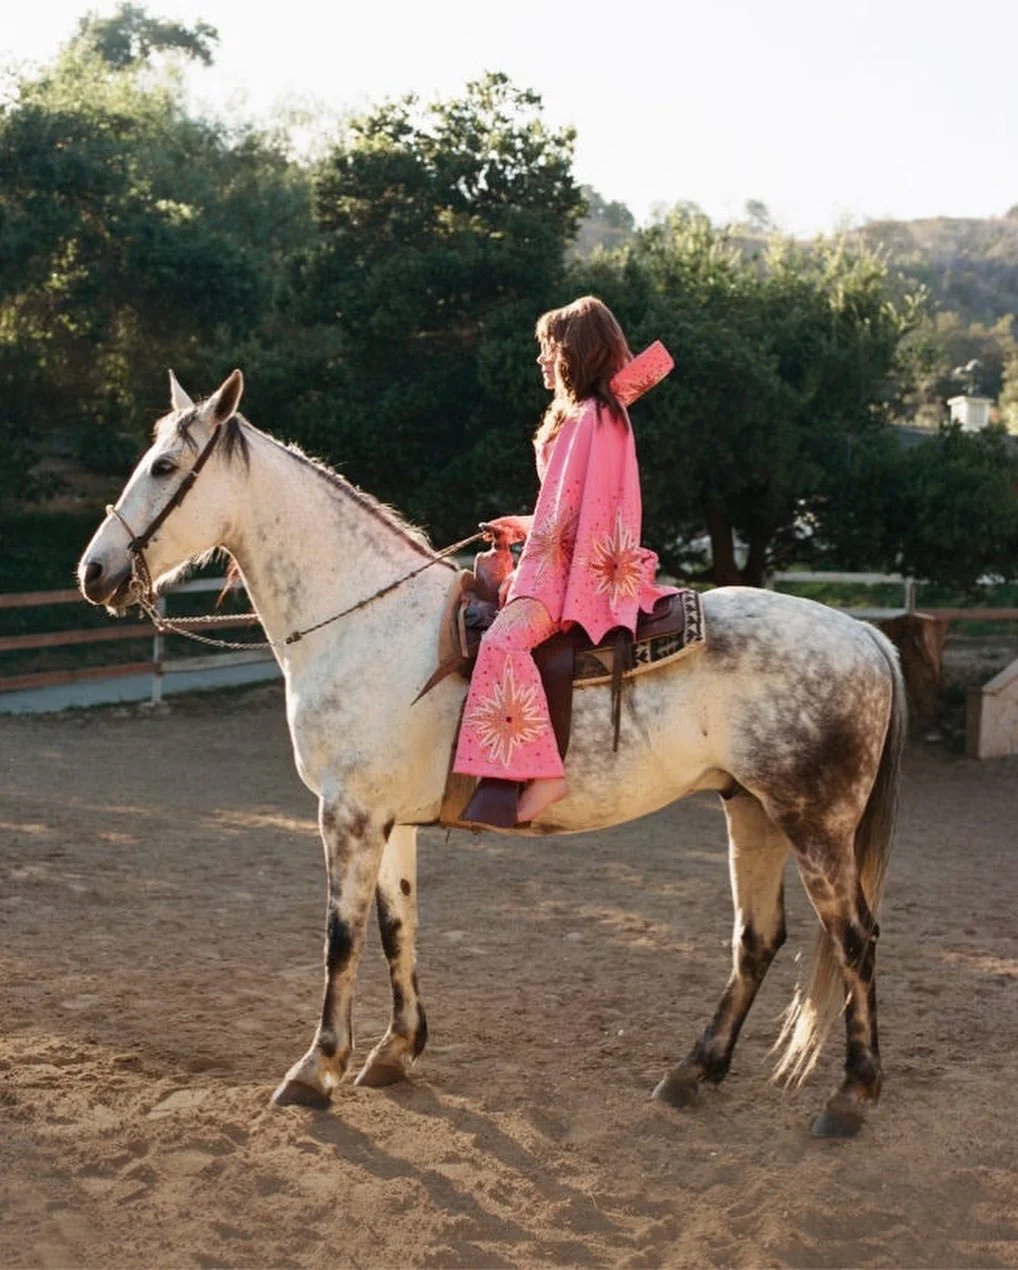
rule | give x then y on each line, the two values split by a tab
785	367
758	216
952	513
130	36
132	236
441	233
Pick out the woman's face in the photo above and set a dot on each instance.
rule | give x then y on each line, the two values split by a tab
547	359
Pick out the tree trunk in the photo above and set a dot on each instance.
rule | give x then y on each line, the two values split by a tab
724	570
756	561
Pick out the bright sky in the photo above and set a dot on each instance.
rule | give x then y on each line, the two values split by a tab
830	111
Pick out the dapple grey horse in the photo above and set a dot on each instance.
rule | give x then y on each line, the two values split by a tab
793	713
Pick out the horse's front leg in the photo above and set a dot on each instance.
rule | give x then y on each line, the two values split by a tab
396	899
354	841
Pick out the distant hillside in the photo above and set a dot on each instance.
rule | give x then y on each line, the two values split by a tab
969	266
606	224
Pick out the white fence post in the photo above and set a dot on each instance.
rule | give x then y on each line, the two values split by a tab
158	650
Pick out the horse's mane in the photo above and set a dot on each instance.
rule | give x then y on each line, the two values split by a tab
382	511
236	442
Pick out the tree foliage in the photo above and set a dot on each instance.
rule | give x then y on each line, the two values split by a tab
441	233
783	364
953	510
132	236
130	36
383	301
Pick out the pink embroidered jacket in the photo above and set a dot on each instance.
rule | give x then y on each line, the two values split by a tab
582	558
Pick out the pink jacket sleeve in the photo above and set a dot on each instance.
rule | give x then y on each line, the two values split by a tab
583	560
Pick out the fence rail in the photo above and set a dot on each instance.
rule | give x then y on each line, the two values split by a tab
158	666
866	579
908	598
27	599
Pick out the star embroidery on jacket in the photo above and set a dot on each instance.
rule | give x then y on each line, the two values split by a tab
510	716
615	564
550	545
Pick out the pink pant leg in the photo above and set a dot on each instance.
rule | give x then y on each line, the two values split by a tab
506	730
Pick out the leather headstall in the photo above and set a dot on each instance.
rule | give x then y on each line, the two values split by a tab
139	542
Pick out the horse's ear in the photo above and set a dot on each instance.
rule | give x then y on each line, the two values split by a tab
179	400
223	403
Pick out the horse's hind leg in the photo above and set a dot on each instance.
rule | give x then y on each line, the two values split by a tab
847	956
354	842
396	900
757	853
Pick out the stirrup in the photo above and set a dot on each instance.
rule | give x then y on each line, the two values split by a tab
495	804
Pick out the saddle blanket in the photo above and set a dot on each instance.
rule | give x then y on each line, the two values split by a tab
659	639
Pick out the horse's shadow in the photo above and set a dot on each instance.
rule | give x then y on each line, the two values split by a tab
576	1208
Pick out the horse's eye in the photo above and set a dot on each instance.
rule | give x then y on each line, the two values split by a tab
163	467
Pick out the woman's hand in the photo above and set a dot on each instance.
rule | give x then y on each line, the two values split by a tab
506	530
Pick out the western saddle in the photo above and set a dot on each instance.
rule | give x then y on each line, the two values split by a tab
566	661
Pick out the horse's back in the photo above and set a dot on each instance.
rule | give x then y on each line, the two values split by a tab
802	695
768	633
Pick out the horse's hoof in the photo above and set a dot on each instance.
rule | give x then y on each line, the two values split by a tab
297	1093
843	1120
678	1089
379	1074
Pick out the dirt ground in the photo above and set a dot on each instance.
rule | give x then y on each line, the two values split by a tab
161	913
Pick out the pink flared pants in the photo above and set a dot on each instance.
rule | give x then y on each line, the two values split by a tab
506	730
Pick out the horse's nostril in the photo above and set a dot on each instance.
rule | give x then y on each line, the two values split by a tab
93	571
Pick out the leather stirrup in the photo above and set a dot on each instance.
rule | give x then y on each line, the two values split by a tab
495	803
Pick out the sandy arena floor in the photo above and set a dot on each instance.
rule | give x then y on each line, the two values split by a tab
161	910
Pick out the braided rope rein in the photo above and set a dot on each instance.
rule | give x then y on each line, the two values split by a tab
178	625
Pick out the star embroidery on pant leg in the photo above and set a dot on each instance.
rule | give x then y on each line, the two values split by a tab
615	564
550	545
510	716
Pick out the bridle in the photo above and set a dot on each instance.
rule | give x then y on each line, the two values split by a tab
137	543
143	590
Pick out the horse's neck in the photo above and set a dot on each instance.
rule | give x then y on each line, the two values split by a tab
308	548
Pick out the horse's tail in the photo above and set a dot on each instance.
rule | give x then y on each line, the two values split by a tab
808	1019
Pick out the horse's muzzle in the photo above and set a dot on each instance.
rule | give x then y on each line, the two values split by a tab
100	586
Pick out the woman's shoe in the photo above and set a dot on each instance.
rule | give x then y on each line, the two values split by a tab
538	795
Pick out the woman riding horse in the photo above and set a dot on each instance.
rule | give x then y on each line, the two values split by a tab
581	563
792	712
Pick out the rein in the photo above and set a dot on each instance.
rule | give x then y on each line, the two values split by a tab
141	574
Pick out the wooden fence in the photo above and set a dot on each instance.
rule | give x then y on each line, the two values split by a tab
158	666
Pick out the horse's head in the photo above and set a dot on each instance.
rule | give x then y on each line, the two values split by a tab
151	521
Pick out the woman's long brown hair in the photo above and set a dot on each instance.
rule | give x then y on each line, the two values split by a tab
592	349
